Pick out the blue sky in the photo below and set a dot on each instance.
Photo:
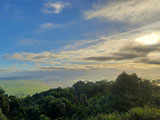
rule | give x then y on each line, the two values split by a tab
78	40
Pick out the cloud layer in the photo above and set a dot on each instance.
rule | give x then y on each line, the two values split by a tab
132	11
127	48
103	52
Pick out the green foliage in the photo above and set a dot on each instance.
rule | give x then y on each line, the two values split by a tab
43	117
2	116
145	113
123	99
114	116
138	113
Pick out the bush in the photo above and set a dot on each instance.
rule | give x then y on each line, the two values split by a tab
114	116
2	116
146	113
43	117
138	113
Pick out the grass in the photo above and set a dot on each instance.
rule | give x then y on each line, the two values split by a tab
24	87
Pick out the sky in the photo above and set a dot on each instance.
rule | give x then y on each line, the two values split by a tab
69	40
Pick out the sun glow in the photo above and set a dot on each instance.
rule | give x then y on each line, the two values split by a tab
148	39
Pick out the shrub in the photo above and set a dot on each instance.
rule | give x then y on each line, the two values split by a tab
146	113
113	116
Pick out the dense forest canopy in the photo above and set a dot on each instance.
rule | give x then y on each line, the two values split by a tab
127	98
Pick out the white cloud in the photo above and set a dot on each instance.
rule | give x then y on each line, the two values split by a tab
43	57
114	51
49	26
132	11
55	7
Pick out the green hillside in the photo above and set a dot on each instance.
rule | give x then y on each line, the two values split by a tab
24	87
127	98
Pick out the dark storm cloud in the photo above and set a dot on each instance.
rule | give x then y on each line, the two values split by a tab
116	56
142	48
134	52
150	61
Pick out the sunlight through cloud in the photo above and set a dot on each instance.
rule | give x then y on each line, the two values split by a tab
148	39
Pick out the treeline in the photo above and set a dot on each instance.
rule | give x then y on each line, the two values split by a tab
127	98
